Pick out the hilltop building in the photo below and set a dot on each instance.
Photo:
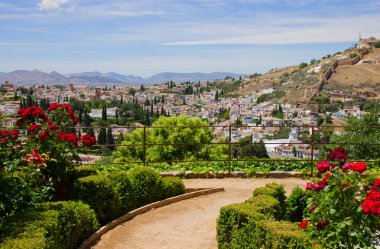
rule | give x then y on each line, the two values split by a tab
367	42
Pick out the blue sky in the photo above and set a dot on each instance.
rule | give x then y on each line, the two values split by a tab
144	37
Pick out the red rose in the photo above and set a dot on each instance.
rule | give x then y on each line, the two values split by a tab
322	224
19	123
303	224
53	127
75	120
14	134
358	167
3	140
337	154
88	140
376	183
323	166
34	127
371	204
4	133
315	244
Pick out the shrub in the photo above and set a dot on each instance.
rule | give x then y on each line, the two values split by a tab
85	170
266	204
235	216
296	204
377	44
147	184
270	234
50	225
272	189
302	65
98	192
173	186
123	186
353	55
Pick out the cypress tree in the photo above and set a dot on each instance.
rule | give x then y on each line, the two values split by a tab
104	113
110	139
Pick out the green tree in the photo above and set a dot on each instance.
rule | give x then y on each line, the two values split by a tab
217	96
110	139
104	113
193	140
358	133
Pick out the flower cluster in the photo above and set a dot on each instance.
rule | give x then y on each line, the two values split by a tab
371	204
88	140
337	154
65	107
69	137
31	113
35	159
5	135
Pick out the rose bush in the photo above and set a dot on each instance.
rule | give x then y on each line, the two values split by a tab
344	211
45	148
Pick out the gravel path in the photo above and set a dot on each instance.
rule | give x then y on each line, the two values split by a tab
187	224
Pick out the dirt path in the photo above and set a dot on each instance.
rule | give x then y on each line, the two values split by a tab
187	224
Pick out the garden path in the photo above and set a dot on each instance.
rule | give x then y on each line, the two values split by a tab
189	224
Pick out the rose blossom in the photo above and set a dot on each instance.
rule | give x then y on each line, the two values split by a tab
323	166
303	224
358	167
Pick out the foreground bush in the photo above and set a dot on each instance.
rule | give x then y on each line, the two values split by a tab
148	185
50	226
270	234
123	185
98	192
296	204
256	223
173	186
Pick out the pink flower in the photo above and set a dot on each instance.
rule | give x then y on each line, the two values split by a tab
316	186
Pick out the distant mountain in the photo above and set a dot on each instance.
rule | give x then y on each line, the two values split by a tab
184	77
97	78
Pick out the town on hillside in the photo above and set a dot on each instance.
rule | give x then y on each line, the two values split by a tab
261	107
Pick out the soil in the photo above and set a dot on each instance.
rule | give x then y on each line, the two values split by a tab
187	224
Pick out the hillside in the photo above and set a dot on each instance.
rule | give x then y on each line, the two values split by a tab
299	84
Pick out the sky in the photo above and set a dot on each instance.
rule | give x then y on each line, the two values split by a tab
144	37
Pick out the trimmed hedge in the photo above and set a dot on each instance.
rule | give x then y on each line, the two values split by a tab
296	204
173	186
267	204
272	189
148	185
85	170
98	192
255	223
270	234
123	186
49	226
233	217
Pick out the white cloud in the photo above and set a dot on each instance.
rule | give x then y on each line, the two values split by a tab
55	5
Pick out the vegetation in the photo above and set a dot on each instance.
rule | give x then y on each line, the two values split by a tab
257	223
193	140
268	96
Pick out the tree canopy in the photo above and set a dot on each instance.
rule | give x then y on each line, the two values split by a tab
191	142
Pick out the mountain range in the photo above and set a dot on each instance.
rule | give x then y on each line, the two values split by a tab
26	77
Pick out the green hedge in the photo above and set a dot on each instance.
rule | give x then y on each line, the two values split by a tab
62	225
256	223
123	186
232	217
148	185
173	186
98	192
296	204
85	170
272	189
270	234
268	205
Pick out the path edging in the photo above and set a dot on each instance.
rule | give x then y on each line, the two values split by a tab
95	237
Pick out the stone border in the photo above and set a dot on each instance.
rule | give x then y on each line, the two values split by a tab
235	174
191	194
